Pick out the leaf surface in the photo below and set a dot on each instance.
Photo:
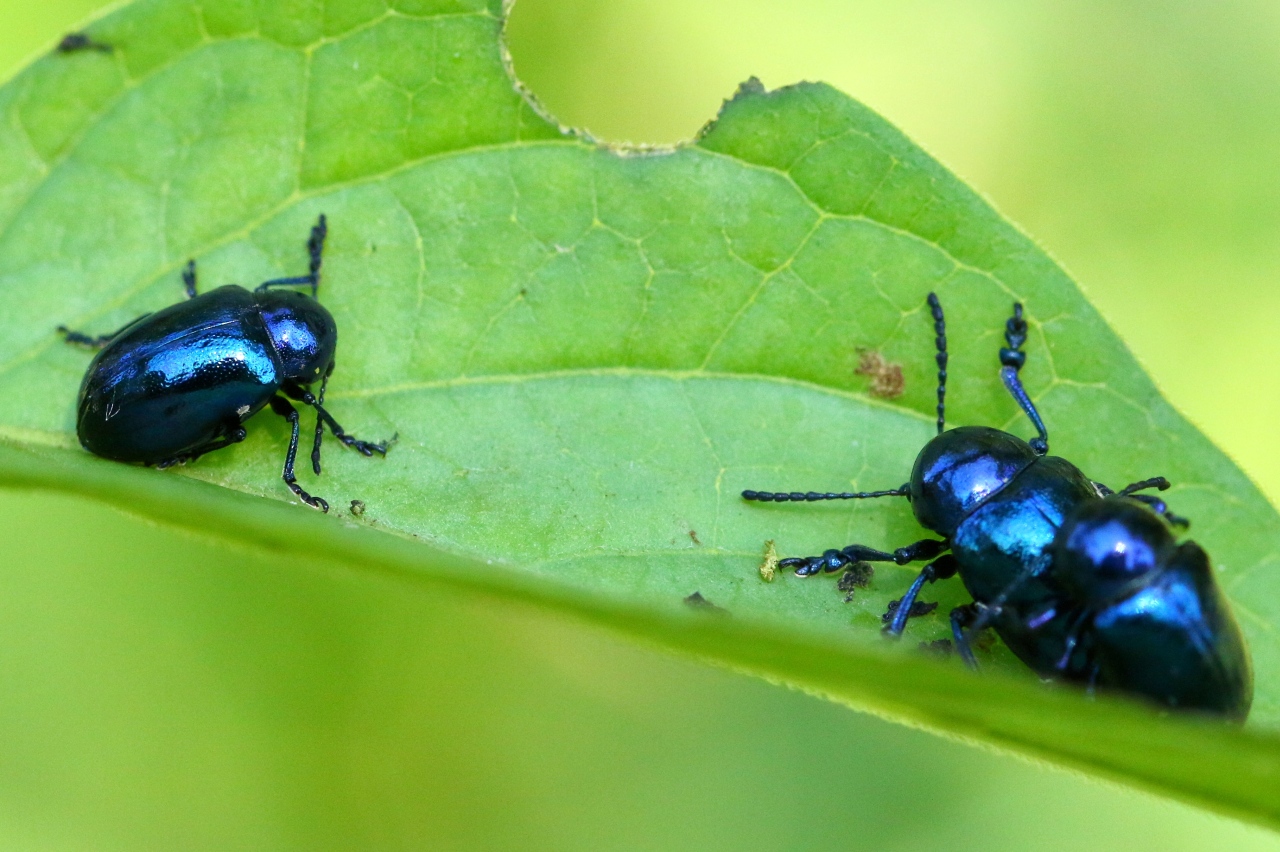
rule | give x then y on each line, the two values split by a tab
587	353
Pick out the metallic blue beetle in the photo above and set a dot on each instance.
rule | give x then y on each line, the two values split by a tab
176	384
1082	583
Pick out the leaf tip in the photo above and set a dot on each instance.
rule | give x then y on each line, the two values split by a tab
749	88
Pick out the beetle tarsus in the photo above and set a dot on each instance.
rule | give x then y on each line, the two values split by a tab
833	560
285	409
89	341
941	568
365	448
961	617
1157	482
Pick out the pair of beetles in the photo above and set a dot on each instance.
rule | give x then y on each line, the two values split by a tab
1083	583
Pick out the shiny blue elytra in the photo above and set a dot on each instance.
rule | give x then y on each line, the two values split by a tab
176	384
1082	583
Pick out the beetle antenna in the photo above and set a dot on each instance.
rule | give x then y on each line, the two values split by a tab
940	342
315	250
1012	358
813	496
315	253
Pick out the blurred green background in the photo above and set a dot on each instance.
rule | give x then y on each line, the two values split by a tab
159	691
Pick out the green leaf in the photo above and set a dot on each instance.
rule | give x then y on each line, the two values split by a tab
588	353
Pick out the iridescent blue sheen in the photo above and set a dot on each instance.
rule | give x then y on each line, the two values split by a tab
1079	586
1156	623
181	378
1109	548
1006	545
303	332
959	470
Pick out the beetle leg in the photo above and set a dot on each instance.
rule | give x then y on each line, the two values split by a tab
1162	509
78	338
1091	688
293	281
365	448
1157	482
939	569
834	560
234	435
1073	640
315	448
1011	359
962	616
285	409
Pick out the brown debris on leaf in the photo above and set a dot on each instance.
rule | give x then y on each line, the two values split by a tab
856	576
918	608
886	377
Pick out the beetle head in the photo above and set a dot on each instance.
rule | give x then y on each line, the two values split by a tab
1108	547
959	470
302	331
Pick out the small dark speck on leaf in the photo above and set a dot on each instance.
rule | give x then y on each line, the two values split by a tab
856	576
76	42
984	641
693	537
937	648
917	609
697	601
357	507
886	377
